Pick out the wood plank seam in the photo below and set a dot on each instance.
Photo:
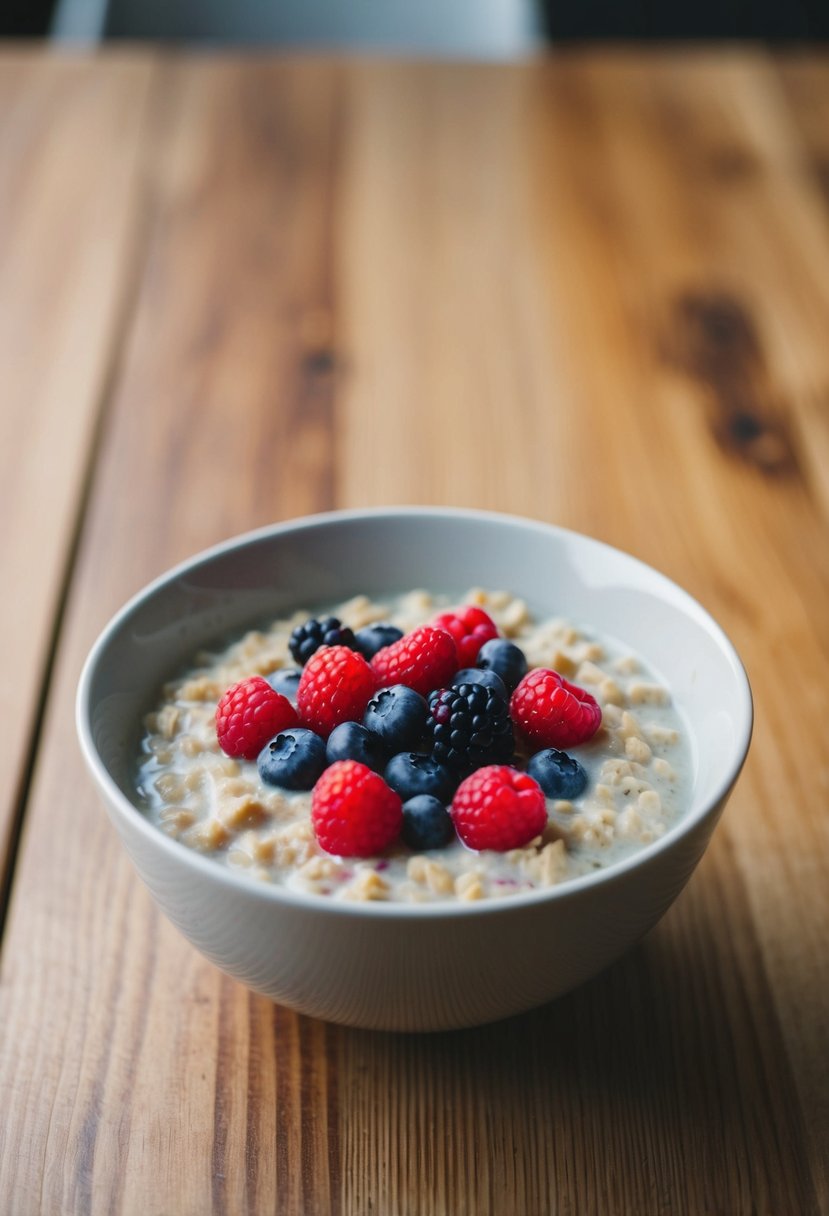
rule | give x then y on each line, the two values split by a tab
126	306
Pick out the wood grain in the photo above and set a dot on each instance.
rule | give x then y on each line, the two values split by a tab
70	143
593	290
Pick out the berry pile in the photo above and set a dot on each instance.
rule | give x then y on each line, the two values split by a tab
413	736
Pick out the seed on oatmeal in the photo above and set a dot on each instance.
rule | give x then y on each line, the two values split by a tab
611	715
604	794
642	693
637	749
238	857
561	806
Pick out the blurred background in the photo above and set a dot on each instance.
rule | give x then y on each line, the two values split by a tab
489	29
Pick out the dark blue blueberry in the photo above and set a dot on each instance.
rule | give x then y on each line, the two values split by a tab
410	774
285	681
426	823
397	715
504	658
351	741
481	675
559	775
374	637
293	760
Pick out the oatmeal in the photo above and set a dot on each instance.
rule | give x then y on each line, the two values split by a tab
637	769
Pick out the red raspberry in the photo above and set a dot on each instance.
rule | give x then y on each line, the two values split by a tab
498	808
470	627
551	712
249	715
335	686
424	659
354	812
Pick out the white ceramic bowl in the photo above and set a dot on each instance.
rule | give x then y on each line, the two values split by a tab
395	966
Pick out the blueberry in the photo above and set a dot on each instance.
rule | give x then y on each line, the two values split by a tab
351	741
426	823
504	658
293	760
481	675
559	775
398	716
374	637
410	774
285	681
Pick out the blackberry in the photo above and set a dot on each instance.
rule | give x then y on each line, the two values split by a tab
477	675
307	638
469	726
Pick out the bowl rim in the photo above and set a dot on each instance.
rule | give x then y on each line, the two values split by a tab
278	894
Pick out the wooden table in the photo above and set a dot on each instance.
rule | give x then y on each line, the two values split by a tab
593	289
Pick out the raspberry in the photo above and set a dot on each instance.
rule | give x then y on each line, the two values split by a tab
424	659
249	715
470	627
469	726
551	712
498	808
353	811
335	687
